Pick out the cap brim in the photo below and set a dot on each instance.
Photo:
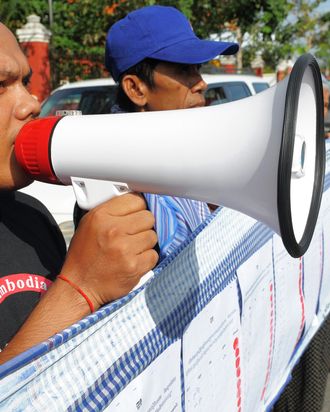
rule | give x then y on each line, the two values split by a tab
194	51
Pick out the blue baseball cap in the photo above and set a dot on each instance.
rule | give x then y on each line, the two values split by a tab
158	32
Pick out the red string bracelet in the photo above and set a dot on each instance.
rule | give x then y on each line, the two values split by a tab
83	294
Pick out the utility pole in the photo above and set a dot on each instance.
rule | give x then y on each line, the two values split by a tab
50	11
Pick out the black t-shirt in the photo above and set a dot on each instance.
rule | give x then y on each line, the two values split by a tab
32	251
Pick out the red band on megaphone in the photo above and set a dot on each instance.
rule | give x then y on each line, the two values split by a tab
32	148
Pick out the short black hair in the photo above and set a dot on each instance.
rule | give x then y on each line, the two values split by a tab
144	70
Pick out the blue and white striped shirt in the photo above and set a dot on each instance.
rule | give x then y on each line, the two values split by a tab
175	219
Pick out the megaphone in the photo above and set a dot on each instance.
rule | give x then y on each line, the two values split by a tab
263	155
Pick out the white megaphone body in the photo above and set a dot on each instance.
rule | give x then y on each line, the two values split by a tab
263	155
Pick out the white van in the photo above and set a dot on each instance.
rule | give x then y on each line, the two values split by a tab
97	96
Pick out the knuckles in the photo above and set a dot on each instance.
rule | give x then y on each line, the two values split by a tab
149	217
131	268
112	255
119	248
153	259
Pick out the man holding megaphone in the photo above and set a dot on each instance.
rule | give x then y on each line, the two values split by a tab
111	250
114	244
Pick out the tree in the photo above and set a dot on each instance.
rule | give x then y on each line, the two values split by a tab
322	41
299	29
7	10
13	13
277	28
78	35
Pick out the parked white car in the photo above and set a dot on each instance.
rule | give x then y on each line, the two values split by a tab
97	97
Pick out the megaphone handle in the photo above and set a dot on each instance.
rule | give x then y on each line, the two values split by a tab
91	192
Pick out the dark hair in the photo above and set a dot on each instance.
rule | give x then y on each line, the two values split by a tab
145	71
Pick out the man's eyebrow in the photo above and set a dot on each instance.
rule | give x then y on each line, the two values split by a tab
7	73
10	73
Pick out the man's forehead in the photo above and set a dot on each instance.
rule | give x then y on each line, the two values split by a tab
12	60
7	38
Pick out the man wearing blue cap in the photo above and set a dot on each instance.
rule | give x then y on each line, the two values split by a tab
155	57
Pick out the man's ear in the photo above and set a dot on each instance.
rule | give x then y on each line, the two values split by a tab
135	89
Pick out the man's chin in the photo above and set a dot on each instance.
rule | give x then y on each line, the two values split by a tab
21	185
23	181
17	178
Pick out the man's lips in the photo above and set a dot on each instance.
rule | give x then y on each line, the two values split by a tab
195	106
200	103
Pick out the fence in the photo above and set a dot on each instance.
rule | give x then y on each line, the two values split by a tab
218	327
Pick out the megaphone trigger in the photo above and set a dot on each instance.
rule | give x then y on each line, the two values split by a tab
92	192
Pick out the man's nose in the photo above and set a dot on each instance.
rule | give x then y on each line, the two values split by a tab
199	85
27	106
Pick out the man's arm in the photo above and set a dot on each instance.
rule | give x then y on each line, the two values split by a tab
110	251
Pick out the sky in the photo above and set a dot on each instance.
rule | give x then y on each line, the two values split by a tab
324	7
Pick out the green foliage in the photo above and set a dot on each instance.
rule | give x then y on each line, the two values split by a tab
7	10
277	28
299	29
77	45
322	41
14	12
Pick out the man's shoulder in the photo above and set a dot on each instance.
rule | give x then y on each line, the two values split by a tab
30	201
18	200
25	210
